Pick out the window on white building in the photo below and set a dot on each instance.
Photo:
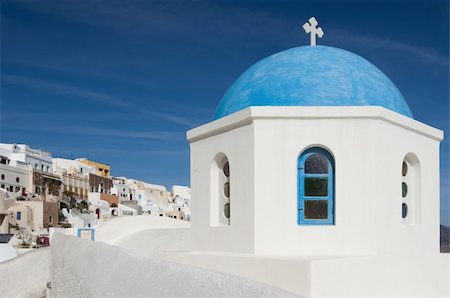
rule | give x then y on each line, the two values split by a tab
220	191
410	190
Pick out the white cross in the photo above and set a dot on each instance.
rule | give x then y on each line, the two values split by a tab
312	28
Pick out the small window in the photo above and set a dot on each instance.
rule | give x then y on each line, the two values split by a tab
226	169
315	202
316	209
316	164
226	210
226	189
410	174
316	187
50	219
404	210
17	179
404	189
404	169
3	176
220	191
19	215
42	167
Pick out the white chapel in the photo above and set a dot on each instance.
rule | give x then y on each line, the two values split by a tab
315	177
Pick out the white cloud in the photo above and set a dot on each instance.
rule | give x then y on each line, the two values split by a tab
66	89
427	55
102	132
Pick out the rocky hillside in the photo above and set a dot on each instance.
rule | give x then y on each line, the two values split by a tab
445	239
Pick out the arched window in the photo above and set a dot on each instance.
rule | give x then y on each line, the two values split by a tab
315	187
411	196
220	191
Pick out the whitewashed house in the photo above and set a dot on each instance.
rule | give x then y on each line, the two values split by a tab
14	176
74	176
36	158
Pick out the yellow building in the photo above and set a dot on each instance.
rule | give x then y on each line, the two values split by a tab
101	169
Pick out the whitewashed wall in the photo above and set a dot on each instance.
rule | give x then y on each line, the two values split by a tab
26	275
77	264
11	174
263	144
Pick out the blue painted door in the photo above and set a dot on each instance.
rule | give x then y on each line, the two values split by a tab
315	187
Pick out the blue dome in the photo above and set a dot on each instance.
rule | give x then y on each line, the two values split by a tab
312	76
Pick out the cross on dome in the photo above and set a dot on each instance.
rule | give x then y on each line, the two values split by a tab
311	27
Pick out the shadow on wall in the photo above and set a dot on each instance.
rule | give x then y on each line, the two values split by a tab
76	265
445	239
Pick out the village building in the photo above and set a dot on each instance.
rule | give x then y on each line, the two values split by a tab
121	189
100	184
35	215
74	177
14	176
101	169
5	203
46	185
35	158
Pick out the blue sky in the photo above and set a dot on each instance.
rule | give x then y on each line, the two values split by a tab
121	81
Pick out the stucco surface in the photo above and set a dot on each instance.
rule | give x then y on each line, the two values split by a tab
25	275
77	265
312	76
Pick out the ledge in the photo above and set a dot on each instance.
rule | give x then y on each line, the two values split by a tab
248	115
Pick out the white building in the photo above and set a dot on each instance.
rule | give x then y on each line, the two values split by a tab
315	177
74	176
36	158
180	204
14	179
121	189
153	198
71	166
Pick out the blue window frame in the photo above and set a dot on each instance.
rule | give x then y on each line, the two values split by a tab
19	215
315	187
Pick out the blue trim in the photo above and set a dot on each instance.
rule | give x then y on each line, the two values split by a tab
301	198
84	229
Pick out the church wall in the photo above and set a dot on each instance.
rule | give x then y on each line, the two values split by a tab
278	144
237	145
420	234
368	144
